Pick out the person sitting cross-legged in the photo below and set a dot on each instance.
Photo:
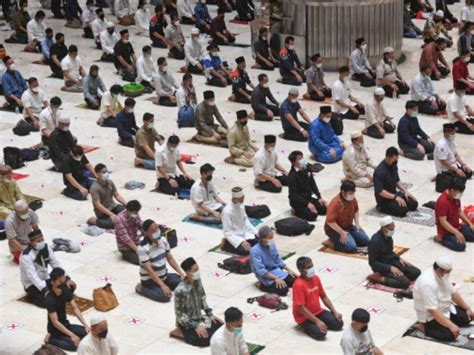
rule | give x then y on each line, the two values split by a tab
388	76
424	93
388	267
239	233
229	339
264	59
345	104
377	121
156	283
165	84
219	32
273	275
93	87
145	139
317	88
194	53
356	162
293	129
323	143
357	338
266	165
307	311
98	341
360	66
128	232
264	110
207	130
73	169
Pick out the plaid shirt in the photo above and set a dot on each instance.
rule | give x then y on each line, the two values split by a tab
126	230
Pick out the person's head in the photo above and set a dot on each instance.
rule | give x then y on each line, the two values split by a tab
387	226
465	56
21	210
191	269
129	105
151	230
77	152
269	142
238	196
305	267
344	73
6	174
64	123
469	27
9	63
317	60
443	266
388	54
360	320
460	88
357	139
361	43
172	143
94	71
110	27
379	94
133	207
456	189
411	108
116	90
293	94
195	33
263	80
265	235
221	13
146	50
233	320
242	117
59	38
325	114
149	120
426	70
100	13
213	50
174	18
49	33
206	172
102	172
263	32
240	62
23	4
72	51
36	239
58	277
3	52
124	36
348	189
33	85
438	16
162	64
40	16
441	44
391	156
141	4
188	80
159	10
449	131
297	160
290	43
209	97
98	324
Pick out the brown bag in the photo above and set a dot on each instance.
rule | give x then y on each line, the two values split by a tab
104	298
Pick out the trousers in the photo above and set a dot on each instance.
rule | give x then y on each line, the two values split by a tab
364	81
355	238
451	242
165	187
403	89
349	115
193	69
153	291
325	157
292	134
192	338
410	273
391	207
327	318
435	330
373	131
176	53
462	128
272	288
130	256
71	192
166	101
269	187
243	161
239	250
35	295
414	153
63	341
105	222
263	116
290	79
241	99
316	97
306	214
426	108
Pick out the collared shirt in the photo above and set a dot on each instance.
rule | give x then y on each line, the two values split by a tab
211	62
204	193
465	42
456	104
201	12
146	137
341	212
98	26
88	15
375	113
108	41
381	255
46	44
315	76
142	19
36	30
385	178
236	225
91	345
186	97
193	52
259	99
354	342
422	88
104	194
447	207
307	293
460	70
174	34
48	120
13	83
189	303
355	162
224	342
387	71
265	162
240	80
158	25
289	61
155	254
341	90
409	131
9	193
145	69
126	124
322	137
33	101
267	260
359	62
185	8
431	292
127	230
34	267
238	139
16	228
72	65
165	83
431	56
22	19
122	8
204	118
301	187
467	14
444	150
91	87
167	160
108	100
288	107
262	47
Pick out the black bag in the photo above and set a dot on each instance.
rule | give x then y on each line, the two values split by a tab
22	128
28	154
293	226
237	265
170	235
12	157
337	124
257	211
35	205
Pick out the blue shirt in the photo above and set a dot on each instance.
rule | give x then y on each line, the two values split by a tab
322	136
202	14
212	62
46	44
13	84
126	125
408	131
288	107
264	260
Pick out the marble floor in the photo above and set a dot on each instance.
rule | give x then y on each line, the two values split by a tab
23	326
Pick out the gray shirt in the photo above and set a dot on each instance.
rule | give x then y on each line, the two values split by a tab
204	118
315	76
91	87
358	62
422	88
16	228
165	83
357	343
105	195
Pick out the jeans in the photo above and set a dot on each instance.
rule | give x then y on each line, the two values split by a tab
105	222
63	341
355	238
151	290
272	288
437	331
239	250
165	187
327	318
191	337
306	214
71	192
451	242
149	164
130	256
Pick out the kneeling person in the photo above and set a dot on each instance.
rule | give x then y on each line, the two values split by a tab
266	166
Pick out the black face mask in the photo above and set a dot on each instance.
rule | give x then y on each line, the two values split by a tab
364	329
395	163
101	17
103	334
243	123
209	178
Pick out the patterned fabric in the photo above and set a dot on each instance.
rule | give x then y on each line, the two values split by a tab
189	301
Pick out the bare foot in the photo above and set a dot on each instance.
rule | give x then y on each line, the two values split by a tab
176	333
46	338
328	243
420	327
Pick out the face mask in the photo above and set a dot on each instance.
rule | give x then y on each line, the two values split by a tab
303	163
211	103
364	329
25	217
466	59
176	24
156	235
151	126
270	149
214	54
363	47
451	138
265	85
164	69
148	56
209	178
462	93
346	79
293	101
130	110
196	276
12	66
54	109
237	330
319	65
292	47
40	245
445	277
103	334
414	114
349	197
327	119
310	273
361	146
65	129
106	176
458	196
390	233
172	149
133	215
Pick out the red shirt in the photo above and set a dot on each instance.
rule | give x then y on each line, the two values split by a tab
307	293
447	207
460	70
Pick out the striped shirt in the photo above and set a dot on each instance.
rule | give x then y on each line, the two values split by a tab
156	254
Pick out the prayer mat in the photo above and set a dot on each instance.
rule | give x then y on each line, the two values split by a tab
255	222
423	216
152	99
361	253
284	254
239	45
39	62
255	348
83	303
377	286
88	148
83	105
17	176
182	195
240	22
327	100
53	170
462	341
195	141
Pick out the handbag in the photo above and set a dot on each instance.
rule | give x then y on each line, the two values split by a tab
257	211
186	117
237	265
170	235
104	298
293	226
270	301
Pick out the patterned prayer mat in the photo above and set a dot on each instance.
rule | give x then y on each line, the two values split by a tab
255	348
376	286
361	253
255	222
17	176
423	216
284	254
83	303
462	341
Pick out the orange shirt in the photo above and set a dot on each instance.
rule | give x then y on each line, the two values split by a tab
341	212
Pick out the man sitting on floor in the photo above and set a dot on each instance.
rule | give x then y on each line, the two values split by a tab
264	59
98	341
345	104
34	263
357	338
146	70
291	69
273	275
110	105
126	124
9	190
266	165
156	283
214	69
240	80
166	160
189	303
98	26
203	18
49	118
194	53
91	85
108	39
342	221
388	267
228	339
145	139
301	187
61	333
264	111
377	121
127	226
206	202
323	143
125	60
388	76
219	32
414	143
241	147
33	101
207	130
450	233
185	12
360	66
424	93
174	38
73	72
60	142
165	84
317	88
73	168
439	308
239	233
13	85
356	162
103	193
57	52
391	196
158	24
459	112
293	129
307	310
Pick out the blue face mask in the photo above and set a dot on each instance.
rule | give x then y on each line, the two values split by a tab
310	273
157	235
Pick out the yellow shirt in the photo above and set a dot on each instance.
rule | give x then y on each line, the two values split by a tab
9	194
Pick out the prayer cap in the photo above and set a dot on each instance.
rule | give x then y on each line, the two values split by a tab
5	169
208	94
35	233
360	315
294	91
262	232
388	49
449	127
194	31
237	192
325	109
110	24
439	13
241	114
21	205
385	221
379	91
444	262
96	319
270	139
123	32
239	60
65	120
356	134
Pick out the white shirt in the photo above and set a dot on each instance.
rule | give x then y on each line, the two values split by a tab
122	8
34	274
142	19
91	345
444	150
342	91
166	159
204	194
265	163
224	342
108	100
354	342
467	14
375	113
431	292
422	88
108	41
89	15
98	26
32	101
146	70
48	120
3	69
456	104
185	8
72	65
236	225
182	98
193	52
36	30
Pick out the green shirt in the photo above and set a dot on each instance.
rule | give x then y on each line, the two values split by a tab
189	302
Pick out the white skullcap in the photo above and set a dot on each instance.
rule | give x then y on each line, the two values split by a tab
385	221
444	262
439	13
97	318
237	192
388	49
356	134
294	91
65	120
194	31
379	91
110	24
21	205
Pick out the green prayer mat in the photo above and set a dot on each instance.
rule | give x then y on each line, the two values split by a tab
255	222
255	348
284	254
83	105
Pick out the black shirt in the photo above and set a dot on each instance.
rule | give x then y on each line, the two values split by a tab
381	255
57	304
157	24
60	144
125	50
74	167
259	99
301	186
385	178
262	47
58	50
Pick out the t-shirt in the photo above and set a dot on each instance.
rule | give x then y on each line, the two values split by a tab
156	255
444	150
341	92
166	159
60	51
265	163
146	137
307	293
125	50
288	107
456	104
33	101
16	228
57	304
105	194
341	212
354	342
447	207
74	167
107	100
72	65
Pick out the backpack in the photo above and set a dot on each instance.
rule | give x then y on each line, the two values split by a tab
270	301
12	157
293	226
337	124
28	154
22	128
257	211
186	117
236	264
170	235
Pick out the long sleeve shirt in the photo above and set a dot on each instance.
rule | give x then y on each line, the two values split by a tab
204	118
142	19
108	41
267	260
408	132
127	230
465	42
236	225
122	8
185	8
359	62
322	137
431	56
238	139
46	44
355	162
13	84
375	113
165	83
193	52
301	187
91	87
381	255
433	29
34	267
201	13
36	30
186	97
145	69
88	15
60	144
9	193
126	125
98	26
422	88
259	99
225	342
189	305
289	61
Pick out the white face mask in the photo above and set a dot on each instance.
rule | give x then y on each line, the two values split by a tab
458	196
196	275
293	101
40	245
349	197
319	65
466	59
130	111
164	68
156	235
292	47
327	119
265	85
363	47
346	79
211	102
12	66
147	55
271	149
303	163
106	176
214	54
25	217
35	90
